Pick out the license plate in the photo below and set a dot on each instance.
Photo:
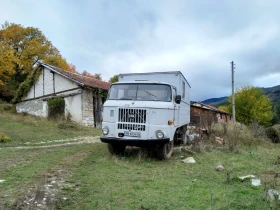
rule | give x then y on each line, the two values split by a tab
132	134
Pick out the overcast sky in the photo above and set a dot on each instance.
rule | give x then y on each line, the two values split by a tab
198	38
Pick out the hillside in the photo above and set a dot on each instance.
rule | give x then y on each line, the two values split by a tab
214	100
272	92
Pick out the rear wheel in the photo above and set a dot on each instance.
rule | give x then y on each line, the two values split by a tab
165	151
116	149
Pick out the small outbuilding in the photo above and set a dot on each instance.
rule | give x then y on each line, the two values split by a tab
203	113
83	96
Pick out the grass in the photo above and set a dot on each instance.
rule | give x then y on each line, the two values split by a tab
88	177
24	129
129	183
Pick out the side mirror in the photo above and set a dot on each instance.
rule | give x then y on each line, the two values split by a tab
178	99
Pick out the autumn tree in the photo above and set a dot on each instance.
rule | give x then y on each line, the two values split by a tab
6	70
114	79
224	108
72	68
251	104
20	48
95	76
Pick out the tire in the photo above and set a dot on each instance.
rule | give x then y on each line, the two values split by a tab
165	151
116	149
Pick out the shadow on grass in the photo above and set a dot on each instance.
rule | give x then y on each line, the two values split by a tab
139	153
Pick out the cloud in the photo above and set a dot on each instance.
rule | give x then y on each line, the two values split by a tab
199	39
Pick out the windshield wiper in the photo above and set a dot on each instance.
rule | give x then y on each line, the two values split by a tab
151	94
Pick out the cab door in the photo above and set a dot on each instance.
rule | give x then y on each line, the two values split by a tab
176	108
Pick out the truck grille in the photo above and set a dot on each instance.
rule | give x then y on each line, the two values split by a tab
134	127
132	119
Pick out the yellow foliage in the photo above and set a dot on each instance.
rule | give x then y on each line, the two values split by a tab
6	59
20	48
58	61
223	108
251	103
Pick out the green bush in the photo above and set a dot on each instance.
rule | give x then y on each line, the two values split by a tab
25	86
56	108
272	134
66	125
4	138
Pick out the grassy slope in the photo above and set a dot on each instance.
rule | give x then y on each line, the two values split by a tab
22	129
101	181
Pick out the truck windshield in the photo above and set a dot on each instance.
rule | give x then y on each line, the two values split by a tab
140	92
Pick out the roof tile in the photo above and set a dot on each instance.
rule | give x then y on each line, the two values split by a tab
87	81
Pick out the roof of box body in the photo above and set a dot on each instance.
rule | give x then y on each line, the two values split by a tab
164	72
78	78
141	82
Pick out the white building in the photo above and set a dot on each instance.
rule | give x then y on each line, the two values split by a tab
81	94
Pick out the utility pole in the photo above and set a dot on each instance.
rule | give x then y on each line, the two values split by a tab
232	98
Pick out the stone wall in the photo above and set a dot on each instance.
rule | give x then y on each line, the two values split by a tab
87	108
33	107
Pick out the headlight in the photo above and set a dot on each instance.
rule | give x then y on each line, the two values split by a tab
105	130
159	134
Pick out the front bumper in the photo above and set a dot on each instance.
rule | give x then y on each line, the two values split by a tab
135	142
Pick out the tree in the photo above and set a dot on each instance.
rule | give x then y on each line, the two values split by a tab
224	108
251	104
114	79
58	61
20	48
6	70
276	112
95	76
72	68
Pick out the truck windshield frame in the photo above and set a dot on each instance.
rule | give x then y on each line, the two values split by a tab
140	92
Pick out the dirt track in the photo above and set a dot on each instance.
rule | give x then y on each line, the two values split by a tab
73	141
42	192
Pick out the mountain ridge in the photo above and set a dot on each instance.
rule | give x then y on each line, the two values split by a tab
272	92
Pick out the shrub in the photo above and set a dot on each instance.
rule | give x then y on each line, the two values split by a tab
56	108
4	138
68	117
239	135
25	86
272	134
68	125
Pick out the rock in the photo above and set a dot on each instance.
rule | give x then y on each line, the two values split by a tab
219	168
256	182
271	195
1	180
188	160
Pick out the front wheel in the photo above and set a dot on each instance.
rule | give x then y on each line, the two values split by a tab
165	151
116	149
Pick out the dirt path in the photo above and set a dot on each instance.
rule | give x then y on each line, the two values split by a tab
62	142
34	150
42	192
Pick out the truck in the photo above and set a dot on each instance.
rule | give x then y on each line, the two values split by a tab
150	110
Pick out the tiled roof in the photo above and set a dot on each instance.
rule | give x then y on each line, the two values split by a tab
206	106
79	79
